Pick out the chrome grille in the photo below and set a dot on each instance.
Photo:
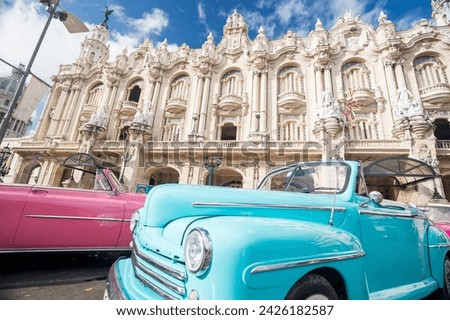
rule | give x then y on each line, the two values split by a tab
159	273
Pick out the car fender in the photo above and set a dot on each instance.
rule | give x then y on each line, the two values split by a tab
439	246
268	255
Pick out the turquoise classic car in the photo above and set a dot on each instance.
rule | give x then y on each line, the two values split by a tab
310	231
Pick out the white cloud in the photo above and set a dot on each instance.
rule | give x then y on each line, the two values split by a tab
201	12
20	39
410	19
152	22
288	10
22	22
203	19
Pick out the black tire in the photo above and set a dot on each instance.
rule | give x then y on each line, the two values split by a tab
445	291
312	287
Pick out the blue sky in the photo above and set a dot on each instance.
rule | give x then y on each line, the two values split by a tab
178	21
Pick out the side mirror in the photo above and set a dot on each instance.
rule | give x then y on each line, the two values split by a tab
375	197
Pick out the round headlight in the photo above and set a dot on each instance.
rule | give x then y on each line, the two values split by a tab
198	251
134	221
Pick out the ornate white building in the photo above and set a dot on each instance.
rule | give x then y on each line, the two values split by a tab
355	91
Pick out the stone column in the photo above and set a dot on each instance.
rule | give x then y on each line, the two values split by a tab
197	102
390	78
65	119
401	81
151	90
263	107
255	100
156	92
319	83
56	119
204	105
328	80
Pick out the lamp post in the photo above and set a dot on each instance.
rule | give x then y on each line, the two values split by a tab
72	24
4	156
211	164
125	159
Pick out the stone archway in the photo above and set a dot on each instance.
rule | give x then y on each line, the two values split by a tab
157	176
225	177
446	185
30	172
394	176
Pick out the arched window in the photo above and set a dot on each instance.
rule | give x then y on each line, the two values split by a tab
292	127
134	91
442	129
171	130
290	79
363	129
135	94
123	135
229	132
232	83
95	95
355	75
179	88
429	73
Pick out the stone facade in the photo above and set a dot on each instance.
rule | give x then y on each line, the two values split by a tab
355	91
21	118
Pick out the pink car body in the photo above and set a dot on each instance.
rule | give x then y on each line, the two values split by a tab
440	215
444	226
39	218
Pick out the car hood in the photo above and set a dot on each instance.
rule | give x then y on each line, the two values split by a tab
167	203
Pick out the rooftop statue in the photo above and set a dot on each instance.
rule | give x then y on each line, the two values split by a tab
107	13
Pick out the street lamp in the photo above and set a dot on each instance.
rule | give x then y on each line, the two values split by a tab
72	24
211	164
4	155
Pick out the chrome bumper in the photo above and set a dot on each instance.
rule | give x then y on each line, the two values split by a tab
113	290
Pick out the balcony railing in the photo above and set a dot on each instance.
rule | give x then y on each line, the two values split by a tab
443	144
388	145
176	105
129	108
437	93
291	99
362	95
230	102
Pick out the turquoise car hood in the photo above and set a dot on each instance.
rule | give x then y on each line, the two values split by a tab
203	201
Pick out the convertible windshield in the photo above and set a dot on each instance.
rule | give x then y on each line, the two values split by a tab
316	177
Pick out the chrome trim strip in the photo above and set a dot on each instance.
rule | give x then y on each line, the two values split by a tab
93	249
157	290
172	272
169	284
263	205
441	245
301	263
406	214
113	289
44	216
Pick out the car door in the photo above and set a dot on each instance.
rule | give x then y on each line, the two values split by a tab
12	201
70	218
396	258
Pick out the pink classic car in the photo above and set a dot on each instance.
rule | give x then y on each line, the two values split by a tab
440	215
42	218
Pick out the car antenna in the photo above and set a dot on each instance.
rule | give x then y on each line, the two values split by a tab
335	158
